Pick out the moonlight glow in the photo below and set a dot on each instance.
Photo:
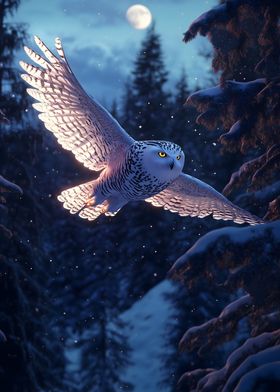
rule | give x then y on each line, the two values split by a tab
139	16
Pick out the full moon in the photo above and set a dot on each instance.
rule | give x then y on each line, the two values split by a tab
139	16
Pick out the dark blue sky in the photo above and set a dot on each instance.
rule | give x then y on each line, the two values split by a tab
101	45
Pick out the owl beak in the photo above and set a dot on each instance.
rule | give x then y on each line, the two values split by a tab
171	164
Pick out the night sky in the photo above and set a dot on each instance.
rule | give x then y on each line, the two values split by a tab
101	45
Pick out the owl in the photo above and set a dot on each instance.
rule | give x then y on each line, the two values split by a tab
130	170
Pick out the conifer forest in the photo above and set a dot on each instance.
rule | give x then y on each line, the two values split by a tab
147	300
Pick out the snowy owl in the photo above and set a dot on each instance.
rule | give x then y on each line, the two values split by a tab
130	170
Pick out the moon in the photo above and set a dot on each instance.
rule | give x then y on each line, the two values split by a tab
139	16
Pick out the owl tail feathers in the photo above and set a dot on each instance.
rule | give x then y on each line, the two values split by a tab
79	200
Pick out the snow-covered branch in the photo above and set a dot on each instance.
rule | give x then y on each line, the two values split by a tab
267	374
229	248
2	337
3	118
189	380
8	186
273	211
226	104
244	107
260	197
249	170
212	382
268	355
219	328
251	258
219	14
267	322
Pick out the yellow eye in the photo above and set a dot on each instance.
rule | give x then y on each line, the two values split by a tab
162	154
178	157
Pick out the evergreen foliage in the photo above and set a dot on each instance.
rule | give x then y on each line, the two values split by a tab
12	91
146	96
64	281
244	261
25	314
47	298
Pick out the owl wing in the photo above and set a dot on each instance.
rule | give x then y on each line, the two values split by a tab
188	196
79	123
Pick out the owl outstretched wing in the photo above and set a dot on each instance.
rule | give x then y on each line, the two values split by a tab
188	196
79	123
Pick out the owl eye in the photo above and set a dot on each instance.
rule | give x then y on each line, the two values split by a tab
178	157
162	154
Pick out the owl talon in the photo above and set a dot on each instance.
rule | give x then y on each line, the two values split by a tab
90	202
105	207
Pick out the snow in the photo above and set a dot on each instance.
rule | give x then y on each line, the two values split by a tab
208	92
145	328
235	236
269	355
203	22
147	320
267	193
236	128
9	186
73	355
237	357
253	379
3	337
219	94
252	85
204	18
235	306
195	336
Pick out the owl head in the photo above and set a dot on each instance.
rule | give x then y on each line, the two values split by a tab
163	160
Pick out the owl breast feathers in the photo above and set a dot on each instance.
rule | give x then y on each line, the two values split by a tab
129	169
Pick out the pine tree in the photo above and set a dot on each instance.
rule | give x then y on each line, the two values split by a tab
104	352
243	261
146	114
182	121
13	99
114	110
128	108
26	315
150	100
88	298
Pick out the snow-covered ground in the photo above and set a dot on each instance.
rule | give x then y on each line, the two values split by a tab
146	332
146	329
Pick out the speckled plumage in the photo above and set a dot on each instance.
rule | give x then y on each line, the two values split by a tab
130	170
